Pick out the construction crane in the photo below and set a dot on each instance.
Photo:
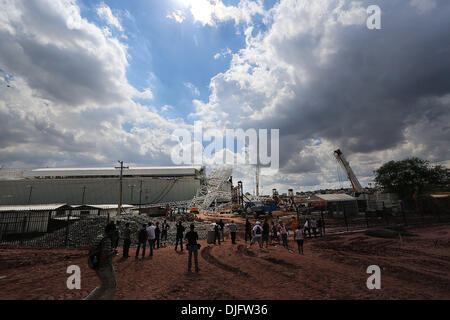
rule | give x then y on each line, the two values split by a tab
357	188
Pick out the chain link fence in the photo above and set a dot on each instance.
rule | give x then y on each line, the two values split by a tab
51	230
424	212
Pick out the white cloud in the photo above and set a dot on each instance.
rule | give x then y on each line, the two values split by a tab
105	13
68	99
176	15
193	88
146	94
223	53
208	12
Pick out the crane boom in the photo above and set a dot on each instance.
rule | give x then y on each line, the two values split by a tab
350	174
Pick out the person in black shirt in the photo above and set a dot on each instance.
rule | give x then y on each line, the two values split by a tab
165	226
179	237
221	229
192	247
216	233
157	235
248	230
320	226
265	233
142	241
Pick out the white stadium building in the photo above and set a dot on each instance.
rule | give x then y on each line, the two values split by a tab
75	186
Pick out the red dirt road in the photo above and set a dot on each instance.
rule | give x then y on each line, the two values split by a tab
333	267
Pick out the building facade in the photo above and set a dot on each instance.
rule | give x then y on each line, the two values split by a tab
76	186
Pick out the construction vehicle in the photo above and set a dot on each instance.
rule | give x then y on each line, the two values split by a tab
263	207
194	210
374	202
357	188
243	204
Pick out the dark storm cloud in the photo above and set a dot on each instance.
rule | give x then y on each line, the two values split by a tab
372	89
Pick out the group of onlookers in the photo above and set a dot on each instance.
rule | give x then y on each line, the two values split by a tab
313	225
156	237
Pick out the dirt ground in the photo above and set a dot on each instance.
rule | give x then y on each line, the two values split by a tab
333	267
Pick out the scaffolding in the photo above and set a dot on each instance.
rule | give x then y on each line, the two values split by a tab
214	189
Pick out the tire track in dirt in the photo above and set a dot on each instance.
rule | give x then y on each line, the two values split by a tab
282	263
206	255
241	249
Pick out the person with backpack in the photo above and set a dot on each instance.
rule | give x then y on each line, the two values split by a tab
248	230
100	260
299	238
126	240
151	237
164	231
192	247
157	235
257	235
265	233
221	229
179	236
216	233
232	226
142	241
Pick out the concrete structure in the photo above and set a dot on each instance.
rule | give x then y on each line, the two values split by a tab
76	186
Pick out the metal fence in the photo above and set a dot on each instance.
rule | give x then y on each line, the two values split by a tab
47	229
426	212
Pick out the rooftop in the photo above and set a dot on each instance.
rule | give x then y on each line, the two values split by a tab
335	197
132	171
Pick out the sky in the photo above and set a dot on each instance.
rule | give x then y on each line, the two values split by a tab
86	83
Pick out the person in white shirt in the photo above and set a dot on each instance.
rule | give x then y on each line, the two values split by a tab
233	228
151	237
257	234
299	238
307	229
284	234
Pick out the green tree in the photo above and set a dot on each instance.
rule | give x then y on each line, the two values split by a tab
412	175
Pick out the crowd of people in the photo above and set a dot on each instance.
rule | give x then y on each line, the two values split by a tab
265	233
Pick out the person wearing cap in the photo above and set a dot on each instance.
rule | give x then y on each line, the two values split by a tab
192	247
257	235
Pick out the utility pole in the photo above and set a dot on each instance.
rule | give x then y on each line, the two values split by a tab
257	169
140	197
29	195
119	206
84	191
